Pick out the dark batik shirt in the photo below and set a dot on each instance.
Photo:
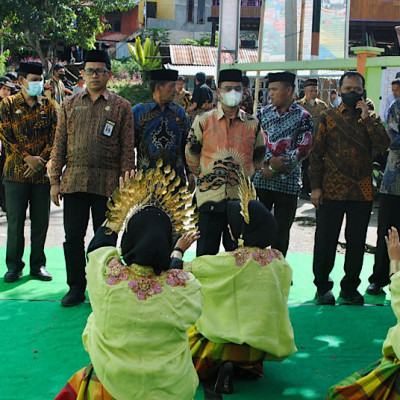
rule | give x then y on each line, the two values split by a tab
287	135
161	135
341	158
24	131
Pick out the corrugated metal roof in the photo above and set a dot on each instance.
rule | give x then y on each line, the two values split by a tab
205	55
248	55
192	70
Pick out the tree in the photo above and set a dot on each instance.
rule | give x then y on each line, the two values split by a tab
157	35
148	56
205	40
3	61
40	25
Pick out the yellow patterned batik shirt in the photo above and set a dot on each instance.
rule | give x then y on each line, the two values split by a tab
24	131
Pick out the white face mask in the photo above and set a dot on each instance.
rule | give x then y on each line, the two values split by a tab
232	98
35	88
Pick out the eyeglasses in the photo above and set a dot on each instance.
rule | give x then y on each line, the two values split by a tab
229	88
97	71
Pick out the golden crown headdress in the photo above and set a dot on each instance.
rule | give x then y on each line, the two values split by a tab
157	187
247	192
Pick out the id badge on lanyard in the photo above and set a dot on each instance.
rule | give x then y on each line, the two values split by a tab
108	128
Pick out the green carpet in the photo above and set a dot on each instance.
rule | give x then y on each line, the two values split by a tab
303	289
41	348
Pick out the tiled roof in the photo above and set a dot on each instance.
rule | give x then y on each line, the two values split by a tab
205	55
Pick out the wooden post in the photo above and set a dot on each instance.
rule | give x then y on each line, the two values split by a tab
316	23
301	37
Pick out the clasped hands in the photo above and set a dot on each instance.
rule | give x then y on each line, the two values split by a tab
33	164
276	163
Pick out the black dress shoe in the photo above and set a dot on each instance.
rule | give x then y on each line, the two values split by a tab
224	383
375	290
325	298
41	274
72	298
352	298
12	275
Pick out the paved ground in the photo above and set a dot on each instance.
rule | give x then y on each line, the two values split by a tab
302	233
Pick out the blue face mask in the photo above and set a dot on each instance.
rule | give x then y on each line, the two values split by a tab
35	88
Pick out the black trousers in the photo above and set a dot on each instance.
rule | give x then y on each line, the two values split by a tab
285	206
18	196
2	193
77	207
388	216
329	222
306	188
211	226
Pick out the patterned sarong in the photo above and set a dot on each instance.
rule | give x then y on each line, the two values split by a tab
208	356
379	381
84	385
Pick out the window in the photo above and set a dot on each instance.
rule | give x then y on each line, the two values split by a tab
201	10
115	20
190	10
151	9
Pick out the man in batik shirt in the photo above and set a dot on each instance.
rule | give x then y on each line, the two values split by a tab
182	96
389	202
161	128
340	176
288	132
27	127
95	144
223	144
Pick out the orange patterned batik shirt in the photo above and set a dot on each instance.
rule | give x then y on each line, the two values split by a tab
218	148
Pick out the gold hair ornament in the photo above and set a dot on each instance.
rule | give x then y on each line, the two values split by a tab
158	188
247	192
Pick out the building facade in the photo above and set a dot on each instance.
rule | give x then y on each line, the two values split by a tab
185	19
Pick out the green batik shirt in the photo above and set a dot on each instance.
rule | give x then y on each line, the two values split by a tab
24	131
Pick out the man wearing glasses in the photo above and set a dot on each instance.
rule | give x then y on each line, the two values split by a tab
95	143
222	144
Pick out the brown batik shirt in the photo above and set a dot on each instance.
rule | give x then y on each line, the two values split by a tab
95	143
25	131
341	158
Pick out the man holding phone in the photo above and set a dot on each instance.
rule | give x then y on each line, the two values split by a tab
340	177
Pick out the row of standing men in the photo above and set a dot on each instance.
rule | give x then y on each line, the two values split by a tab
91	144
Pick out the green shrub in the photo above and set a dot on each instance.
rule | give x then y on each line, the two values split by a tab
3	62
124	68
130	90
